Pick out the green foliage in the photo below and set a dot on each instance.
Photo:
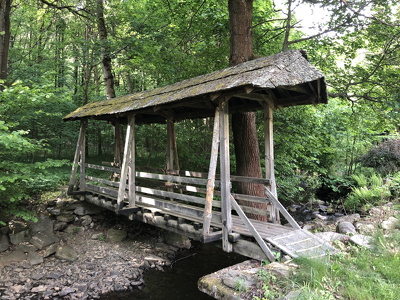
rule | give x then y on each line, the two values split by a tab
368	192
298	188
359	275
269	285
384	158
394	182
22	181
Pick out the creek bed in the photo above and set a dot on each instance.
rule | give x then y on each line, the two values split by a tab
179	282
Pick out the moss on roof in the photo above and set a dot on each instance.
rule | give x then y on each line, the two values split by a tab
281	70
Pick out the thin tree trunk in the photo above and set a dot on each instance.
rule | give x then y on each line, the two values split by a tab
5	10
288	27
106	59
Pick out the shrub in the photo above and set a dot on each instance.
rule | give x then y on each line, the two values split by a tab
298	188
20	181
384	158
367	192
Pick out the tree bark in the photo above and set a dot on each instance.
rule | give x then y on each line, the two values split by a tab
244	124
106	59
5	10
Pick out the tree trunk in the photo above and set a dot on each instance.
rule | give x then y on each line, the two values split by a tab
5	10
106	59
288	27
244	124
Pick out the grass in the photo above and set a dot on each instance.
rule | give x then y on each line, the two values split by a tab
359	274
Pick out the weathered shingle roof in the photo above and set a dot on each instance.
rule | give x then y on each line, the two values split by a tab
286	79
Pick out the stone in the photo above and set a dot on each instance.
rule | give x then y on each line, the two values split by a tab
26	248
17	289
71	228
42	239
346	228
362	240
391	223
86	220
60	226
65	218
43	224
52	202
39	289
282	270
80	287
177	240
330	236
34	258
54	211
97	236
37	276
67	253
16	256
88	209
293	295
50	250
157	259
4	242
20	237
349	218
364	227
17	226
67	290
116	236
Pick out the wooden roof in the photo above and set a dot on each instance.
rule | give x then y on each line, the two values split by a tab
284	79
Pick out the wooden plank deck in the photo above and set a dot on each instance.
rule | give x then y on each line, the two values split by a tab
293	241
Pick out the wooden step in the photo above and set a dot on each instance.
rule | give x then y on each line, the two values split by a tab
300	242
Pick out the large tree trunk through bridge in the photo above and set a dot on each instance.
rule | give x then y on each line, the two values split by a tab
244	124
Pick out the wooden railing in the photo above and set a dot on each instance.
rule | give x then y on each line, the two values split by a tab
181	192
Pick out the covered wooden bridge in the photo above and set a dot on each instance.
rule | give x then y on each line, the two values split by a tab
200	205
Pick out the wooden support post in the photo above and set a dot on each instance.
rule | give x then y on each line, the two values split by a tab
126	163
119	145
172	150
170	144
211	176
226	213
269	157
132	167
82	163
78	152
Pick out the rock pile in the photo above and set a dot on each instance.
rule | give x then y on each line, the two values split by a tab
78	251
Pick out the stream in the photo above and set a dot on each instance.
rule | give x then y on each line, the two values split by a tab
179	282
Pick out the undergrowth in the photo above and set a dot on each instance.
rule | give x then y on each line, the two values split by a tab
360	274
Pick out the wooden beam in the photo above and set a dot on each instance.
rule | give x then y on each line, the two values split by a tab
211	176
82	179
171	178
103	168
225	175
269	156
126	162
253	96
118	147
253	231
75	164
132	166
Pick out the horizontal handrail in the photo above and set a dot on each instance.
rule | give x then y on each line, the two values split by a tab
181	173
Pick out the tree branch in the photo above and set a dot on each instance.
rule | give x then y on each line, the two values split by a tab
367	17
70	8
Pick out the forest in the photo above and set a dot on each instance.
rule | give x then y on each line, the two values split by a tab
54	54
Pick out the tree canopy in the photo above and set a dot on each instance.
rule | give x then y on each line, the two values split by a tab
51	59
